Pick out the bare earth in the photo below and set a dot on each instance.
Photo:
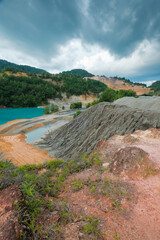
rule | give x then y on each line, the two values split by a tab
133	159
16	149
139	216
119	84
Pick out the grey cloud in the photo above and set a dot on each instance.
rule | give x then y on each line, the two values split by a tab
40	27
117	25
129	22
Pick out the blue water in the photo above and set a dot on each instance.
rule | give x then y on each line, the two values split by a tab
9	114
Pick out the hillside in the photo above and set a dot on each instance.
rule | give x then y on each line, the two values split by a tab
20	90
80	72
8	66
111	193
101	121
117	84
156	87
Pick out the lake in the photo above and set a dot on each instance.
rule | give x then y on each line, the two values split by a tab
9	114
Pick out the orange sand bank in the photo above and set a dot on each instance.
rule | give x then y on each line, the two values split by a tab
19	152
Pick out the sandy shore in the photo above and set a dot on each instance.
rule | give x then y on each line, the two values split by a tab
16	149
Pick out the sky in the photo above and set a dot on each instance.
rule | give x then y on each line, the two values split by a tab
105	37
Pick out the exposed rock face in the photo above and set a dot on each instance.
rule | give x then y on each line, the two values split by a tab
101	121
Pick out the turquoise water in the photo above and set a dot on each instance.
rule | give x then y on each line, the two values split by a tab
9	114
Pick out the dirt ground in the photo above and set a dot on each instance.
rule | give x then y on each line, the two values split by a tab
16	149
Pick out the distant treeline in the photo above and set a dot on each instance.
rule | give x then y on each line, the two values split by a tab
79	72
34	90
110	95
130	82
8	66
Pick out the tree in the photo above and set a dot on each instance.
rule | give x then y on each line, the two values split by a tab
109	95
76	105
46	110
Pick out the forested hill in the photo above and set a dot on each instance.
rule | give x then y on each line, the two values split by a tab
8	66
156	87
80	72
35	89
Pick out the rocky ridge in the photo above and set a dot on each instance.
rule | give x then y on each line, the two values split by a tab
101	121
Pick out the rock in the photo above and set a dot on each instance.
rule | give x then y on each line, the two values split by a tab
133	162
101	121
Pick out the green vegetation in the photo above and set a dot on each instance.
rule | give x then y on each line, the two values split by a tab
110	95
80	72
12	67
114	189
39	185
35	90
76	105
76	85
77	185
53	108
25	91
130	82
76	114
91	227
156	87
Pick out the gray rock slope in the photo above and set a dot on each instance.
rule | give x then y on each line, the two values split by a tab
144	103
101	121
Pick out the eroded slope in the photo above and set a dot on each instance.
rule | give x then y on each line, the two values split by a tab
99	122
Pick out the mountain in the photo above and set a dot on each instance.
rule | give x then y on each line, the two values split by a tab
122	83
8	66
156	87
80	72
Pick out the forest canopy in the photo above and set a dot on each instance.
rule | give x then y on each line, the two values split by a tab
35	90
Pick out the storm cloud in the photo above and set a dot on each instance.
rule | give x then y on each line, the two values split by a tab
104	36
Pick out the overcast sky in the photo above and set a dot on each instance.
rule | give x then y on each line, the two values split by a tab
105	37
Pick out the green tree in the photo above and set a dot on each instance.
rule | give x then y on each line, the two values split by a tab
109	95
76	105
46	110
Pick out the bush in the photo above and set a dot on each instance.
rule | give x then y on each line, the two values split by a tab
76	105
54	108
46	110
76	114
109	95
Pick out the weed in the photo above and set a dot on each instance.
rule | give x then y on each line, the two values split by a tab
113	189
116	236
77	185
91	227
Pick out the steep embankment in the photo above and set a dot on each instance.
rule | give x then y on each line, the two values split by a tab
147	103
101	121
117	84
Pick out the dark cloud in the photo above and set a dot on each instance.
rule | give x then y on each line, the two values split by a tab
41	27
120	25
40	24
117	25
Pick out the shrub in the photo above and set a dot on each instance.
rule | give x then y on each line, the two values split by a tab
91	227
46	110
76	114
76	105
